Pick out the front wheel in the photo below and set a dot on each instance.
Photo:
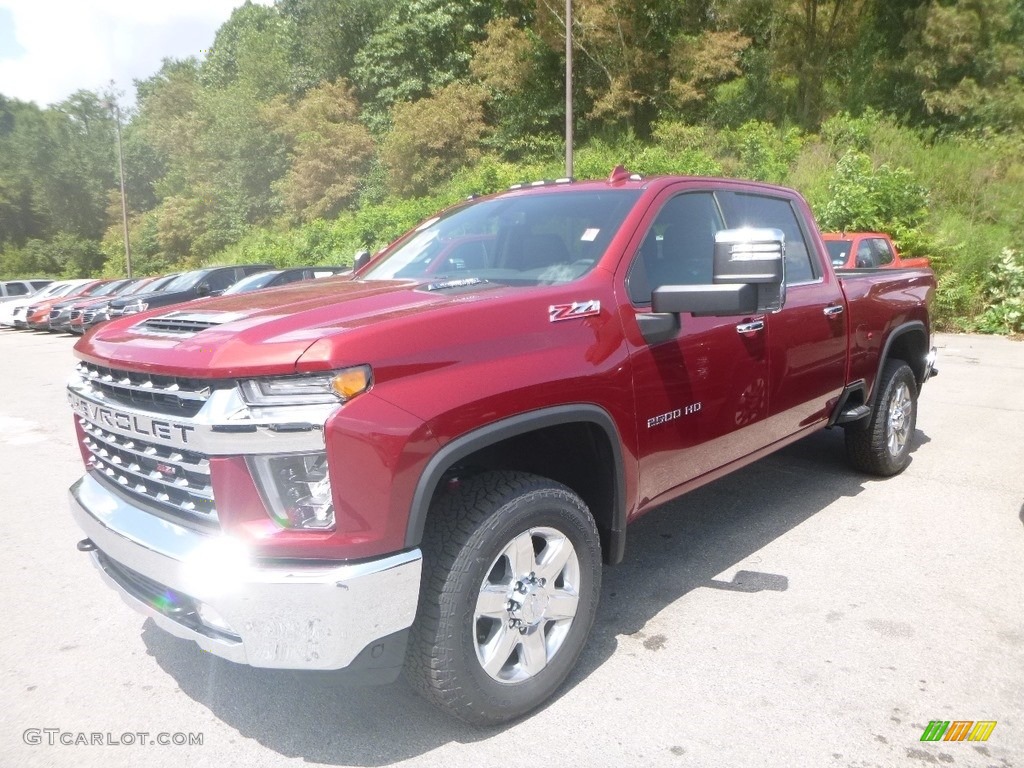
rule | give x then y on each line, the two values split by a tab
511	580
880	444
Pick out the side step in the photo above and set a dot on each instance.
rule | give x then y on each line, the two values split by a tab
853	413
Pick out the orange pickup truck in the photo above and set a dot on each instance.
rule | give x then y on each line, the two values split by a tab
866	250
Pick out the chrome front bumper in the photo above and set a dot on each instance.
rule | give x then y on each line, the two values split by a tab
202	588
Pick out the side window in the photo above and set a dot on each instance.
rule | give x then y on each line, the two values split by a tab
744	210
17	289
883	251
678	248
220	280
866	255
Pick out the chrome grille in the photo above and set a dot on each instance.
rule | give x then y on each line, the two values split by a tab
171	479
55	313
76	313
171	395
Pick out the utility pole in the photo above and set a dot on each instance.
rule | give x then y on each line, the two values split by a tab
113	106
568	88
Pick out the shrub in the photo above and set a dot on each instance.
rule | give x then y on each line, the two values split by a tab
1004	295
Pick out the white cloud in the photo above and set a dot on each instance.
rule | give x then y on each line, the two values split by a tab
73	44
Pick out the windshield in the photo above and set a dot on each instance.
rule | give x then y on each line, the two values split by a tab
838	251
185	280
252	282
106	289
53	289
541	239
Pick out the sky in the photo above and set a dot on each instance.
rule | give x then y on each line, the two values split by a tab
51	48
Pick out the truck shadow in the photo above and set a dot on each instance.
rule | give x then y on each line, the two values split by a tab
678	548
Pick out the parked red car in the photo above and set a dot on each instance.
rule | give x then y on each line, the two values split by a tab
866	250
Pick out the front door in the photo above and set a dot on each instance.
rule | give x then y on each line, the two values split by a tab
702	395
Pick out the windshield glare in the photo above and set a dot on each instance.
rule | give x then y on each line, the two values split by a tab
252	282
542	239
185	281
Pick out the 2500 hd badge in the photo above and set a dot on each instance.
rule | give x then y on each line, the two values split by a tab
128	422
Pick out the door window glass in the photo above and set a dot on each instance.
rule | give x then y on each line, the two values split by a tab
678	248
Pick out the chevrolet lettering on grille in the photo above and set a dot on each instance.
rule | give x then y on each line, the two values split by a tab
131	423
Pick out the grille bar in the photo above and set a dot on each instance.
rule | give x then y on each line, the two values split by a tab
173	480
193	462
166	394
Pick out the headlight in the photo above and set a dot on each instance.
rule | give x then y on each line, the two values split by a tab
135	306
308	390
297	489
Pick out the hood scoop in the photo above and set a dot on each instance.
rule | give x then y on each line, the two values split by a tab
184	324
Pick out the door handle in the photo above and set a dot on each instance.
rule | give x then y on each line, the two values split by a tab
833	311
751	327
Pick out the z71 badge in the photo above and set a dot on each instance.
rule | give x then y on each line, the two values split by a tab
574	310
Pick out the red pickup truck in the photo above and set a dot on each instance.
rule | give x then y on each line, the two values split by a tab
867	250
425	464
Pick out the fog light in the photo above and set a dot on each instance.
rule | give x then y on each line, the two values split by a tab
297	489
212	619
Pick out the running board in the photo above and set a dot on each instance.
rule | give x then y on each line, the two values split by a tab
854	413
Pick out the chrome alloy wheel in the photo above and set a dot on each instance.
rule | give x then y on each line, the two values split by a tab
526	605
897	430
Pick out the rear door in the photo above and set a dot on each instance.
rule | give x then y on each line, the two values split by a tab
807	338
701	393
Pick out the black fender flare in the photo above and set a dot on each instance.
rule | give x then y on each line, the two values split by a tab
464	445
900	330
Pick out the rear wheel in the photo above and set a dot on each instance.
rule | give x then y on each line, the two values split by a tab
511	580
880	444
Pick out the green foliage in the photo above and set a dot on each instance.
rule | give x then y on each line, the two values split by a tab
1004	295
433	137
329	150
909	115
882	199
763	152
440	32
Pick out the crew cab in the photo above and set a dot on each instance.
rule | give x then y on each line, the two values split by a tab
867	250
425	464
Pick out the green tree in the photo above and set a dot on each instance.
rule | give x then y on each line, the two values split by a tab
433	137
422	46
329	150
968	59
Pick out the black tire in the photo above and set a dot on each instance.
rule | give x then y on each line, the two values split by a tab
468	551
880	443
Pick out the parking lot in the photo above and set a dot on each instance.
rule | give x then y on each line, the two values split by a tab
795	613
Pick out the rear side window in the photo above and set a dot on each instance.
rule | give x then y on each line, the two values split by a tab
746	210
866	258
883	251
16	289
220	280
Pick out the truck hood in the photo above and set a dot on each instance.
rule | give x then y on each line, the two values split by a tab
294	328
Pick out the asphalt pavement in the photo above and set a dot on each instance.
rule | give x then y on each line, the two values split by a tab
795	613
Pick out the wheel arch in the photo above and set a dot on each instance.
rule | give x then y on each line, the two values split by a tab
557	443
907	342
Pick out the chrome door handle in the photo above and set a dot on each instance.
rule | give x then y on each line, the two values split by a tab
751	327
835	309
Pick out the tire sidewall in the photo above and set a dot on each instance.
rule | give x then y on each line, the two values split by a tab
899	462
552	507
